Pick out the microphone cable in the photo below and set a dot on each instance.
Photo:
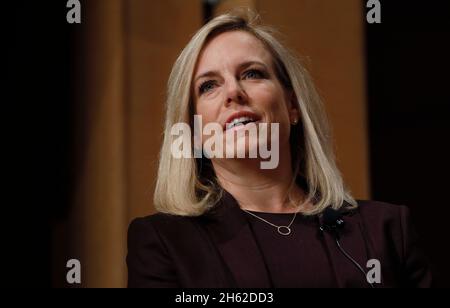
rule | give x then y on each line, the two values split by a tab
359	267
332	223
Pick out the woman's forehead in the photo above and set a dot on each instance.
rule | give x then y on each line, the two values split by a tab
232	48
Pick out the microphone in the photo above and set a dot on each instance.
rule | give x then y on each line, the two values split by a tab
332	223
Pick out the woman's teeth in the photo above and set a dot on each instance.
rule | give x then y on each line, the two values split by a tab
239	121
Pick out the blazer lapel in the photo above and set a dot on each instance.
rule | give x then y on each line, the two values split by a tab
230	232
353	242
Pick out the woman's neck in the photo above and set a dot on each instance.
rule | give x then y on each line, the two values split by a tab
260	190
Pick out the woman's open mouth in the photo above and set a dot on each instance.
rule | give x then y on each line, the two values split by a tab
242	121
241	118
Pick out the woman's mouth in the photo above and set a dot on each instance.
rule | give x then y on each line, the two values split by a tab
241	121
240	118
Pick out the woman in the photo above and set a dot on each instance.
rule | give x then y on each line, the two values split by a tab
224	220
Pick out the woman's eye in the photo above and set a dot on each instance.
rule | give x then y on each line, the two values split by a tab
206	86
253	73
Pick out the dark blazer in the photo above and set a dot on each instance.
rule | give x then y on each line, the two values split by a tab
211	250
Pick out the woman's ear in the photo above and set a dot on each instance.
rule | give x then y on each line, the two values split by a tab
294	114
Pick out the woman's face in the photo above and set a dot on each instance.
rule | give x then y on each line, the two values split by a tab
235	78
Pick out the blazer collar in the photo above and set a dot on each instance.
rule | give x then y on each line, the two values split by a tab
355	242
231	233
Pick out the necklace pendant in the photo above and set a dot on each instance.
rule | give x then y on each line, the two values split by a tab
284	230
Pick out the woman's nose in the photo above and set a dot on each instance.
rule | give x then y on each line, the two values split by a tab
235	93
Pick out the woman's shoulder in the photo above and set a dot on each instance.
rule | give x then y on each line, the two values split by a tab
162	223
382	208
377	203
383	213
158	217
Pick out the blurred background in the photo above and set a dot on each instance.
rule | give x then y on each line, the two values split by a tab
87	103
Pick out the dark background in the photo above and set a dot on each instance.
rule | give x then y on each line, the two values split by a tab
407	76
41	48
408	94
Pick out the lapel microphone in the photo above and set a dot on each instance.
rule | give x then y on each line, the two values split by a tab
333	223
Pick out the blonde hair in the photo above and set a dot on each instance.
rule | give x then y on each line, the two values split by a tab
188	186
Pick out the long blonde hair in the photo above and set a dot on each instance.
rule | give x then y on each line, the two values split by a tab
188	186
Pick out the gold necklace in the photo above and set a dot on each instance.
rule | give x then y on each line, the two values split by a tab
283	230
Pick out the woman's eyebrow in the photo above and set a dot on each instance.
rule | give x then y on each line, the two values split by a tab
240	66
206	74
250	63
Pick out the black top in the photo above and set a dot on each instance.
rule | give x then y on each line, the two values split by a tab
294	259
228	248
